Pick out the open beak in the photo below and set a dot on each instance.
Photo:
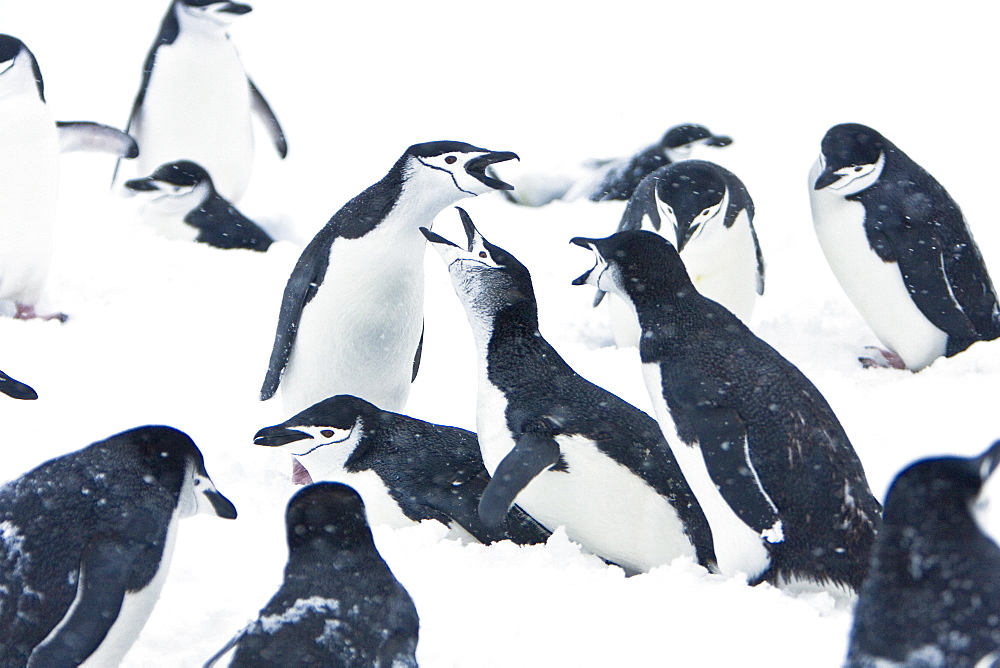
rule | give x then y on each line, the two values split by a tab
477	168
278	435
584	242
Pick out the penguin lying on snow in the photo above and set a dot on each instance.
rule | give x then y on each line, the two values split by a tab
406	469
339	604
15	388
570	453
85	543
616	179
29	174
195	101
901	249
779	481
185	205
351	319
706	212
932	595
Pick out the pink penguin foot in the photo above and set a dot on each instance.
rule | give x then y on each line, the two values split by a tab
27	312
885	359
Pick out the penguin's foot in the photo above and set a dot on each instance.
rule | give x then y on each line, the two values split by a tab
300	476
885	359
27	312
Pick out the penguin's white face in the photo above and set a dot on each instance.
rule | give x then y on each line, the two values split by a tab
218	14
451	169
194	496
602	276
678	153
854	178
325	450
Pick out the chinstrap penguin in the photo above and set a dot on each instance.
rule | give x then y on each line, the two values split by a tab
707	214
86	541
405	469
196	102
901	249
29	174
932	595
777	477
351	317
16	389
185	205
569	452
339	604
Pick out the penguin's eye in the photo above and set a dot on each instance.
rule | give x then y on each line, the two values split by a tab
451	160
706	212
197	482
327	433
483	254
858	168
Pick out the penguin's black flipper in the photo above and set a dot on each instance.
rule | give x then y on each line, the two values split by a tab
536	451
302	285
416	356
722	436
15	388
105	570
88	136
260	107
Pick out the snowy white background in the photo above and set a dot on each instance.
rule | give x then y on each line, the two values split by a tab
175	333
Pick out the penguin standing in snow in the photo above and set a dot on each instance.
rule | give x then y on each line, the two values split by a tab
706	212
405	469
780	483
351	319
86	541
196	102
932	595
569	452
185	205
901	249
31	142
339	604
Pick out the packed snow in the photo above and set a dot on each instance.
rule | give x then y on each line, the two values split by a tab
178	333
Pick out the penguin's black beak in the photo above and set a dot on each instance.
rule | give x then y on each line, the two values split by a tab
278	435
719	141
145	184
470	228
222	506
589	244
434	238
477	168
825	179
15	388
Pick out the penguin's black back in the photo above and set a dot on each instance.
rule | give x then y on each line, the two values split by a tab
339	604
709	358
221	225
120	489
934	582
620	184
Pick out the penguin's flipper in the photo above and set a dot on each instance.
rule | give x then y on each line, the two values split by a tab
262	109
105	570
722	436
87	136
212	660
535	451
15	388
416	356
302	285
760	261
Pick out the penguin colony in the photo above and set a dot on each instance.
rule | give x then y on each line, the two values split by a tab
745	470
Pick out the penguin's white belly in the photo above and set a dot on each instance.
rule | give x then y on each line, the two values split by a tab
722	264
876	288
197	107
604	506
360	332
738	548
135	611
29	177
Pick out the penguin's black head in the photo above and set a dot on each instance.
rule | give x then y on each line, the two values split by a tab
463	165
680	139
935	494
851	158
486	277
10	49
168	459
636	265
327	516
690	194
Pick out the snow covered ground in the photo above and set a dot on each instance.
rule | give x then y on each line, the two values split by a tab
176	333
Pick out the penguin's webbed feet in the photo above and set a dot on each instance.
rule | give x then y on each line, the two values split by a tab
27	312
879	358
